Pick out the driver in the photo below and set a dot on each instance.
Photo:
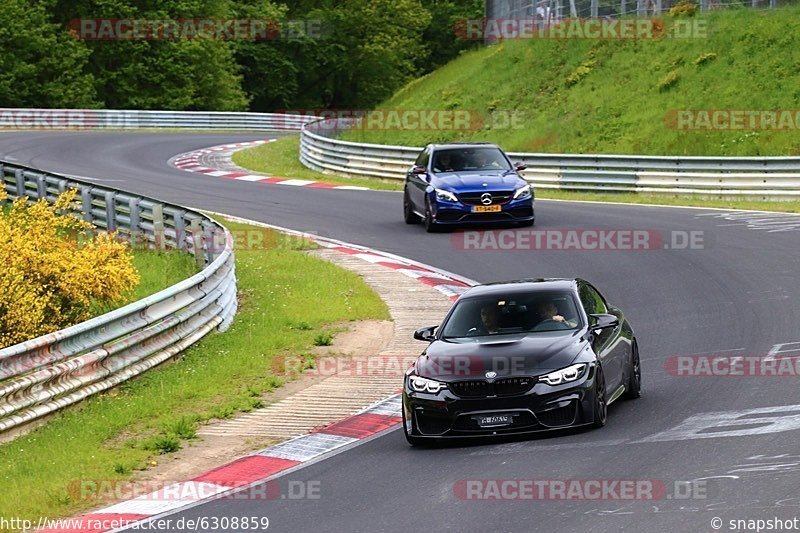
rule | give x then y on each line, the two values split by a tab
549	311
444	163
490	321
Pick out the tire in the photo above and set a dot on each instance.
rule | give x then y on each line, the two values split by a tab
633	389
412	440
600	410
408	213
430	225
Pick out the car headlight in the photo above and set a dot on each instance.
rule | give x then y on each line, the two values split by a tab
522	192
565	375
420	384
442	194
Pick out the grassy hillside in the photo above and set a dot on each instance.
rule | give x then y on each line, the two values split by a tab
591	96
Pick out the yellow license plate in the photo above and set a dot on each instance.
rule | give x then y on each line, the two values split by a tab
486	208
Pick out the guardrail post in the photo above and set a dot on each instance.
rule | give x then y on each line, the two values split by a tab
19	176
180	231
41	187
197	241
659	8
703	5
593	7
86	203
133	208
210	242
158	227
111	210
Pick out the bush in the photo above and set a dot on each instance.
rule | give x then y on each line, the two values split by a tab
50	278
684	8
323	339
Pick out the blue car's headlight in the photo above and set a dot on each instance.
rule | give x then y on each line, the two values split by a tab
447	196
522	193
565	375
420	384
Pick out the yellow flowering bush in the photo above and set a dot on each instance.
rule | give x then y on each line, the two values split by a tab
52	269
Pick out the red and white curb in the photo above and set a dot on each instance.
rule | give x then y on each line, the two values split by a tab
262	465
198	161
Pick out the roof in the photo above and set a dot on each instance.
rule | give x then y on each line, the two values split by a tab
521	285
456	144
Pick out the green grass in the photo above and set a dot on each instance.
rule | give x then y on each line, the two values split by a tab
287	298
585	96
280	159
158	270
666	199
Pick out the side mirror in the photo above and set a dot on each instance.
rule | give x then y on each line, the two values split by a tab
419	170
520	166
425	334
602	321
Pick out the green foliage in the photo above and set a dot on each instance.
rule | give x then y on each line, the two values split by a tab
323	339
367	49
180	74
41	65
162	444
183	428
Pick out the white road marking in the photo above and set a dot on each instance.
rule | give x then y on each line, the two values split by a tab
732	424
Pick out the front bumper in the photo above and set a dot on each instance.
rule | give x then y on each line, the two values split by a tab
543	408
457	213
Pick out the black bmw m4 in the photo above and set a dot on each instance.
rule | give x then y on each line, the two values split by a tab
518	357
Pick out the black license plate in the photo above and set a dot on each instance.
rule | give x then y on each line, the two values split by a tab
488	421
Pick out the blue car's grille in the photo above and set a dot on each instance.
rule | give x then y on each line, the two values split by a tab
474	198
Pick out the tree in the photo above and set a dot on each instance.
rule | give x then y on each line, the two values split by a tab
181	73
41	65
371	49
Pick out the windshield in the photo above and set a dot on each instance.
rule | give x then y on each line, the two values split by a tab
470	158
518	313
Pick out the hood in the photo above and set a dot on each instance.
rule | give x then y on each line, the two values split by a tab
523	354
500	180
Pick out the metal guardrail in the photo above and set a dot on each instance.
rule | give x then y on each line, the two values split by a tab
128	119
763	177
42	375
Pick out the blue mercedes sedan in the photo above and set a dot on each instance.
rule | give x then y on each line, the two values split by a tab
466	184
